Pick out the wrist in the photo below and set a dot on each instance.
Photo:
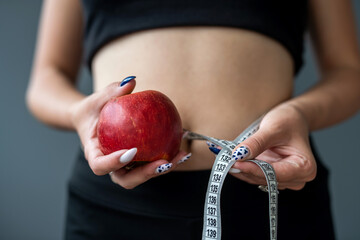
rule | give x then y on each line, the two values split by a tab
294	113
296	110
73	115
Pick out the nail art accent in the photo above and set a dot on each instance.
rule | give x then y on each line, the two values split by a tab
184	159
126	80
128	155
214	150
234	170
163	168
240	153
210	144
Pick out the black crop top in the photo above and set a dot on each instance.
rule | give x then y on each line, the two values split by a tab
282	20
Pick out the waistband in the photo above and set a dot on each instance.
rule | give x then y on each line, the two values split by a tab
178	193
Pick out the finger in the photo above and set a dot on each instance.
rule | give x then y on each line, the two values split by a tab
249	178
180	158
253	146
288	174
139	175
214	150
210	144
283	186
291	186
213	147
185	133
295	168
249	168
102	164
285	171
113	90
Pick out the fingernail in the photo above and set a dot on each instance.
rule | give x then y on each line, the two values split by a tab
210	144
184	159
126	80
240	153
234	170
185	134
263	188
163	168
214	150
128	155
110	174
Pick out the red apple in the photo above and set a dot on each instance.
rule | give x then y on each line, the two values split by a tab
146	120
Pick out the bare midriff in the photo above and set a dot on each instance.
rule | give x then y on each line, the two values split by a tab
220	79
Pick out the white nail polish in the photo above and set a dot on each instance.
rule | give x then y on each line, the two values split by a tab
185	134
110	174
240	153
234	170
184	159
163	168
128	155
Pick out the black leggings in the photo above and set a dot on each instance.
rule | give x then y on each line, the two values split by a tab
171	207
303	214
87	220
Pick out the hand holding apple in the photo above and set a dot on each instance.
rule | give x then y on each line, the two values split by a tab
84	116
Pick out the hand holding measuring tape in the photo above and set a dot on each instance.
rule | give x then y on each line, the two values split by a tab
281	140
223	162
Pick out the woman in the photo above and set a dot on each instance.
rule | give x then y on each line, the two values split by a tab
223	65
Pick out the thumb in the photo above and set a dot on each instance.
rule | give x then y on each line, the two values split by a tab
115	89
252	146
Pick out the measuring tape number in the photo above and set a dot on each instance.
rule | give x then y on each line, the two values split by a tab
221	167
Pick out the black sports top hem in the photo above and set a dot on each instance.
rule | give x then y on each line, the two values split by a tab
281	20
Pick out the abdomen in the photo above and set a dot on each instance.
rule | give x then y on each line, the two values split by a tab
220	79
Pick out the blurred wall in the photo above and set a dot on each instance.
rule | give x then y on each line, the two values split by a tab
35	161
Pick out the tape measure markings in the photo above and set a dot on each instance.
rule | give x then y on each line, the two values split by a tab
221	166
212	214
273	195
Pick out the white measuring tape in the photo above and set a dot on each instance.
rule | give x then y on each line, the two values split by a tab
222	165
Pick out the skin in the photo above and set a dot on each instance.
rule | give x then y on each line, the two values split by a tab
192	65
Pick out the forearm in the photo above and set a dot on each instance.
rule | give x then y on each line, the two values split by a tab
50	97
335	98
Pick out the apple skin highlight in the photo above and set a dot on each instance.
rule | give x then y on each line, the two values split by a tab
147	120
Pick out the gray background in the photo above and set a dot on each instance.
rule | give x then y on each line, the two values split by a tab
35	161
